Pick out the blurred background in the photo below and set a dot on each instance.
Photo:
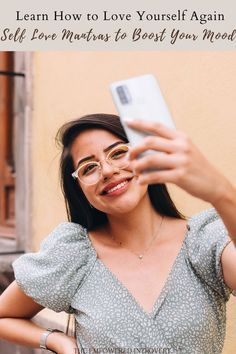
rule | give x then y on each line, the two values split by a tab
39	91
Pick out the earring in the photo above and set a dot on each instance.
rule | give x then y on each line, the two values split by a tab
91	206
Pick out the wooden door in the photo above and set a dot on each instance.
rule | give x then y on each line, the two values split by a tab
7	172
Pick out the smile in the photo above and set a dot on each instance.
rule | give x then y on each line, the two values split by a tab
116	188
120	185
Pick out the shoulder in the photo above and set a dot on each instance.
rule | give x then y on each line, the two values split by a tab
206	239
207	223
66	234
58	269
67	242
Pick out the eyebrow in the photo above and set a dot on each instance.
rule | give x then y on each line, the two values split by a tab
105	150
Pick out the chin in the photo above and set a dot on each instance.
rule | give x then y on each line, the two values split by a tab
123	208
124	204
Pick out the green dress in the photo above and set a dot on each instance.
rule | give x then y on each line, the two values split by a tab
188	317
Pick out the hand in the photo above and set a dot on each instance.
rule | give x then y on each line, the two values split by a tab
179	159
62	344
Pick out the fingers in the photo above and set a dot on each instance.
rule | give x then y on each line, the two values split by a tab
154	128
152	143
179	145
163	138
172	159
165	176
158	161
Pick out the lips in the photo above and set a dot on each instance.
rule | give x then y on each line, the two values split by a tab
110	186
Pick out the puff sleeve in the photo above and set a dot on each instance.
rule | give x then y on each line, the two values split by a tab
207	239
52	275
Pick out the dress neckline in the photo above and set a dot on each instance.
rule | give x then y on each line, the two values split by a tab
158	301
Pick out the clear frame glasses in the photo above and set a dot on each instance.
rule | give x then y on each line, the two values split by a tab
90	172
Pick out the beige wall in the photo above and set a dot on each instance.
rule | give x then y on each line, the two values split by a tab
200	89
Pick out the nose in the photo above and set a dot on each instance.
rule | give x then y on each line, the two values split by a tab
108	170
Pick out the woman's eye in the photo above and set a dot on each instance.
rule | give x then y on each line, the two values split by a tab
89	169
118	154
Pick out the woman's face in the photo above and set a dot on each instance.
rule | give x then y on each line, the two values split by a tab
117	190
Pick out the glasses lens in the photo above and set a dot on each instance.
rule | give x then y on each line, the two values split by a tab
89	173
118	156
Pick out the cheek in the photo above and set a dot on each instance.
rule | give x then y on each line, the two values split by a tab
89	193
140	191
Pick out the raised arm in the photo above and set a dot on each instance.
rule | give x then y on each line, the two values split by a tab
180	162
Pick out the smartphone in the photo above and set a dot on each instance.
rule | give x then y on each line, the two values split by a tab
140	98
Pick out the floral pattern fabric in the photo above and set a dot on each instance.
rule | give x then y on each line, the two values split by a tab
188	317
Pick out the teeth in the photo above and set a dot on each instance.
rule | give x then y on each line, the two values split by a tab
117	187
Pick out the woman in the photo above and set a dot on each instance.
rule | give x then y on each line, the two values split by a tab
136	274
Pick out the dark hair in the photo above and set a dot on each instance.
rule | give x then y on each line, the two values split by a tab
77	206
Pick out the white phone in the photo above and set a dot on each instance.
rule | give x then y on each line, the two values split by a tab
140	98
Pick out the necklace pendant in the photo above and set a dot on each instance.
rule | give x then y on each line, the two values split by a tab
140	256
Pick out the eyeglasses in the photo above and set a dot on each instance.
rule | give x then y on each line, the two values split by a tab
90	172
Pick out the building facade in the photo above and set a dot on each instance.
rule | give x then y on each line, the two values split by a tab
40	91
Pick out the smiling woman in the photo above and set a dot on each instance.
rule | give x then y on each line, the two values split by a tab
76	141
136	274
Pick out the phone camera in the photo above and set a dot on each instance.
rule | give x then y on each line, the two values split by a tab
123	94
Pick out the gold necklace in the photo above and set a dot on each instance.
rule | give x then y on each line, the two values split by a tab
140	255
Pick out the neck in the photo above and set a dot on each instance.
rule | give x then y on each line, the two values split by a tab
137	228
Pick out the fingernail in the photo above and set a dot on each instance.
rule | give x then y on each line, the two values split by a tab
128	120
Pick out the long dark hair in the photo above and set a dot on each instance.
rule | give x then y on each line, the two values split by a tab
77	206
